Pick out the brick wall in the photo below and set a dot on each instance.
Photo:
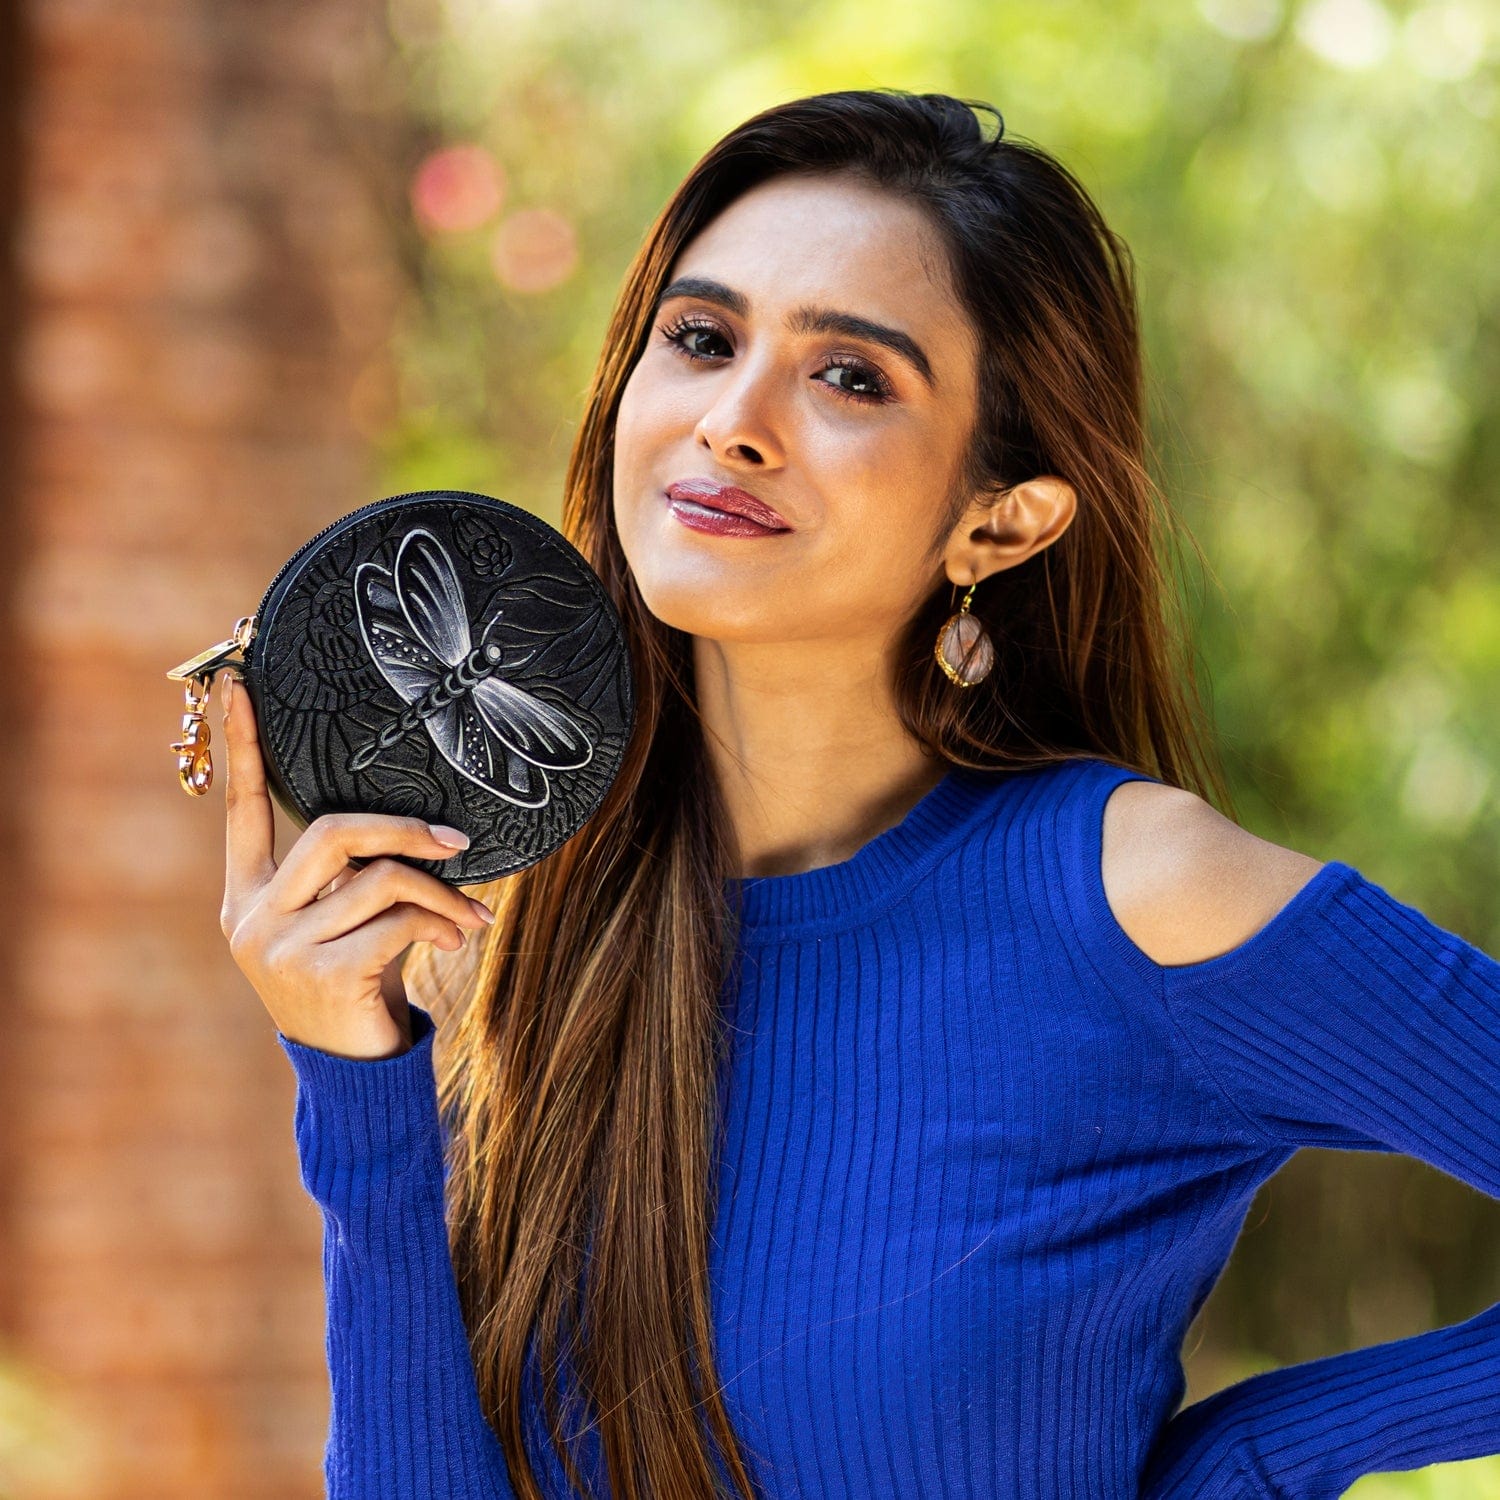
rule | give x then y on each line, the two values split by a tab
205	276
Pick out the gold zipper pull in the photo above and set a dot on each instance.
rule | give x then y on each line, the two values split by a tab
206	663
195	768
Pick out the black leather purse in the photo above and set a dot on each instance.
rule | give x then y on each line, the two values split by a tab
442	655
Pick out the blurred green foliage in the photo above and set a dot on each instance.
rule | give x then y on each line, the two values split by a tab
1479	1479
1309	191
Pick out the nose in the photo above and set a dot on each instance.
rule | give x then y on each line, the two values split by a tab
741	420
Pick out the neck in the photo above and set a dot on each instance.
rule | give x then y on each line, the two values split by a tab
808	750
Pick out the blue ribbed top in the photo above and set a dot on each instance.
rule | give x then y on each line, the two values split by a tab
983	1161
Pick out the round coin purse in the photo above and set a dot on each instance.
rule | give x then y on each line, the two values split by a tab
441	655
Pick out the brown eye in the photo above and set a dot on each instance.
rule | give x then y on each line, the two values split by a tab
680	333
880	390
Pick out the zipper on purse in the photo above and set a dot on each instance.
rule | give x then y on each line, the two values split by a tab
195	768
360	510
194	765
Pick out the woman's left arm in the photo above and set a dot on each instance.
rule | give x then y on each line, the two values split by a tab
1349	1020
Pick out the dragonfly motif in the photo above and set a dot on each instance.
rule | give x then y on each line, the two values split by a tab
416	628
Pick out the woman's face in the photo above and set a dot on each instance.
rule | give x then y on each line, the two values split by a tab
853	436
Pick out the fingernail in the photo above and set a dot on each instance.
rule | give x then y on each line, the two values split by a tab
454	838
484	912
228	692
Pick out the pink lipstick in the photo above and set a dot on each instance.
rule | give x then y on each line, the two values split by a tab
706	505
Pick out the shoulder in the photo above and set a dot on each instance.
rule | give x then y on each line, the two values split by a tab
1185	882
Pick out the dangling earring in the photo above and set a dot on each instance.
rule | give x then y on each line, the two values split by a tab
964	650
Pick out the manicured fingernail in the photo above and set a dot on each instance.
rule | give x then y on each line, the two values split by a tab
454	838
228	692
485	914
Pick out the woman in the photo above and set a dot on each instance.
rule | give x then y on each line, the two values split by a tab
866	1099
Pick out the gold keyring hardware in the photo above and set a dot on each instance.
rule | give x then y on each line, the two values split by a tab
195	768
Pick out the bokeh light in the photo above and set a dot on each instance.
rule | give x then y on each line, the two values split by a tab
534	249
457	188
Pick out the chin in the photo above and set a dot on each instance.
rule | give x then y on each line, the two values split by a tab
690	617
713	612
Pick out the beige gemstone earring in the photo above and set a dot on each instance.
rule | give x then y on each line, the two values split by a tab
964	650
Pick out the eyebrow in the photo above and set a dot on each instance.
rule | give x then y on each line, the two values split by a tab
805	319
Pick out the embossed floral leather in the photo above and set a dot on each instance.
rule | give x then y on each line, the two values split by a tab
448	656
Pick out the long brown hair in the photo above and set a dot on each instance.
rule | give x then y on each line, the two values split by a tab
579	1081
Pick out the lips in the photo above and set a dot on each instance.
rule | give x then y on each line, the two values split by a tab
727	498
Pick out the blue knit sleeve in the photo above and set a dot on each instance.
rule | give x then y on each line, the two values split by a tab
1349	1020
406	1418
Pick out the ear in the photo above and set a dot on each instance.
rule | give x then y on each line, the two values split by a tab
1005	527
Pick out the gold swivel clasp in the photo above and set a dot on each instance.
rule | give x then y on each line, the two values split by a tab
195	767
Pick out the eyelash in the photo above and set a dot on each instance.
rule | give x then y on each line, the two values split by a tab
675	333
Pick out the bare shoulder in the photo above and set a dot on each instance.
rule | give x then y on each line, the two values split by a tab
1186	883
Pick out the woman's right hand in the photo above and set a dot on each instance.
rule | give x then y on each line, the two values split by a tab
315	936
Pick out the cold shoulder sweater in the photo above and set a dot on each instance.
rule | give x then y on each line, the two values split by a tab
983	1159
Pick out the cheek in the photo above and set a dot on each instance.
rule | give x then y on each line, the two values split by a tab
649	429
627	423
631	461
857	568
